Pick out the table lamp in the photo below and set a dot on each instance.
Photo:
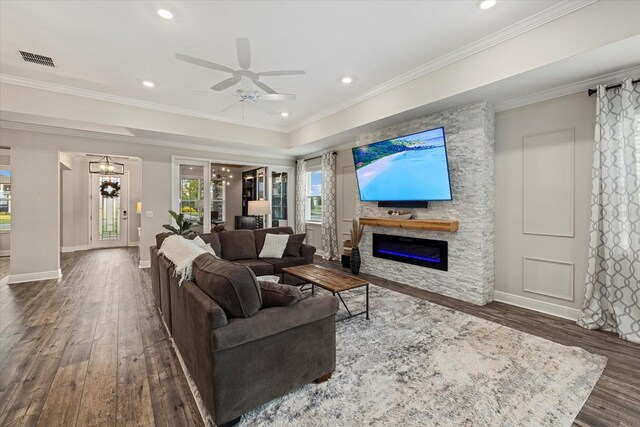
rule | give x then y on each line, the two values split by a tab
259	208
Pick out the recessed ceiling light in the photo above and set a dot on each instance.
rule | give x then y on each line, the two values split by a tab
148	83
284	114
164	13
486	4
347	80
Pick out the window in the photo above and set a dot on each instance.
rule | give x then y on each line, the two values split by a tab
218	196
314	196
5	198
192	194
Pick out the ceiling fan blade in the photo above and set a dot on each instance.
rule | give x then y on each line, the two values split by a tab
279	97
264	87
265	108
282	73
229	107
244	53
203	63
226	83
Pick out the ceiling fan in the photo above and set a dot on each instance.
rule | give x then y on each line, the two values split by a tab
244	59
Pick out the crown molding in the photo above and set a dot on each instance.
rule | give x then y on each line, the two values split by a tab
569	89
541	18
132	102
4	124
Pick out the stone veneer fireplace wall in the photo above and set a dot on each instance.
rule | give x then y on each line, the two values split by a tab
469	133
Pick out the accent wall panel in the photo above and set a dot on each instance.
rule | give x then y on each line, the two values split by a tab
548	183
548	277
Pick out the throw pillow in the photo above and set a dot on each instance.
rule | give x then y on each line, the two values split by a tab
294	244
274	245
214	240
233	286
198	241
209	249
277	295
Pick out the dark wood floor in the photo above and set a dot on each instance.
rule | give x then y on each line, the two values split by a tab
4	266
89	350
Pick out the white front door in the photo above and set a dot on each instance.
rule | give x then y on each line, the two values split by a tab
109	212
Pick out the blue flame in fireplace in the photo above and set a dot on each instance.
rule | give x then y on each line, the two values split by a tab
412	256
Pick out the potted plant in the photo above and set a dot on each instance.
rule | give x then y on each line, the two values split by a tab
184	224
356	236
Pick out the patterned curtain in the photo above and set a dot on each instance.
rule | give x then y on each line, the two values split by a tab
329	227
612	297
301	196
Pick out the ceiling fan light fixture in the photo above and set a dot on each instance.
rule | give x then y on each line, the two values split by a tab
347	80
486	4
164	13
148	83
284	114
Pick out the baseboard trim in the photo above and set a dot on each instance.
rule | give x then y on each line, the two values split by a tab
34	277
6	252
541	306
134	244
68	249
144	264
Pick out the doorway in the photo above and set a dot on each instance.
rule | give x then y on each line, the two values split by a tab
109	212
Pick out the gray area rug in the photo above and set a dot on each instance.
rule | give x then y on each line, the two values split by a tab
418	363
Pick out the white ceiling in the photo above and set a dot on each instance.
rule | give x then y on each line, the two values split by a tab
111	46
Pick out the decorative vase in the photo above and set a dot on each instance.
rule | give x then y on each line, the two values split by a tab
355	261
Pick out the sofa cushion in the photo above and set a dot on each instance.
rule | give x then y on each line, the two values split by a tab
238	244
233	286
277	295
261	233
294	243
288	261
274	321
274	246
259	267
214	240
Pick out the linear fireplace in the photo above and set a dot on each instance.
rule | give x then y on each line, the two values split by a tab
412	250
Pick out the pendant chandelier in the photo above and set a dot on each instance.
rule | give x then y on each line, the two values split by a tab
221	176
106	166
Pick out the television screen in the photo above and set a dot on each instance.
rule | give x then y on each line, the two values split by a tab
409	168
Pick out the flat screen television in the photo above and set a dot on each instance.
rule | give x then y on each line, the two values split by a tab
408	168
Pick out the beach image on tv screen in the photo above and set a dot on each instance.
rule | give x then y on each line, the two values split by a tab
412	167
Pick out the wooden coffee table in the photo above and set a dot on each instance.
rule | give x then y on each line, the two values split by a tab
331	280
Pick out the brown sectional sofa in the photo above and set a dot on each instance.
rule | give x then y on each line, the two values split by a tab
239	363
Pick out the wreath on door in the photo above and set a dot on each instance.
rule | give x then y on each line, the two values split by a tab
110	189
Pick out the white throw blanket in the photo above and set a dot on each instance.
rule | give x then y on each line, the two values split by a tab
181	252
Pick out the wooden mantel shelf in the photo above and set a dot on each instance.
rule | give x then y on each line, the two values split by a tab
416	224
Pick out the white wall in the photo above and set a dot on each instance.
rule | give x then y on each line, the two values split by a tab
544	155
38	192
67	207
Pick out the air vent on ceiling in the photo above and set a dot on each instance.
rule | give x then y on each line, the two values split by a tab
37	59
